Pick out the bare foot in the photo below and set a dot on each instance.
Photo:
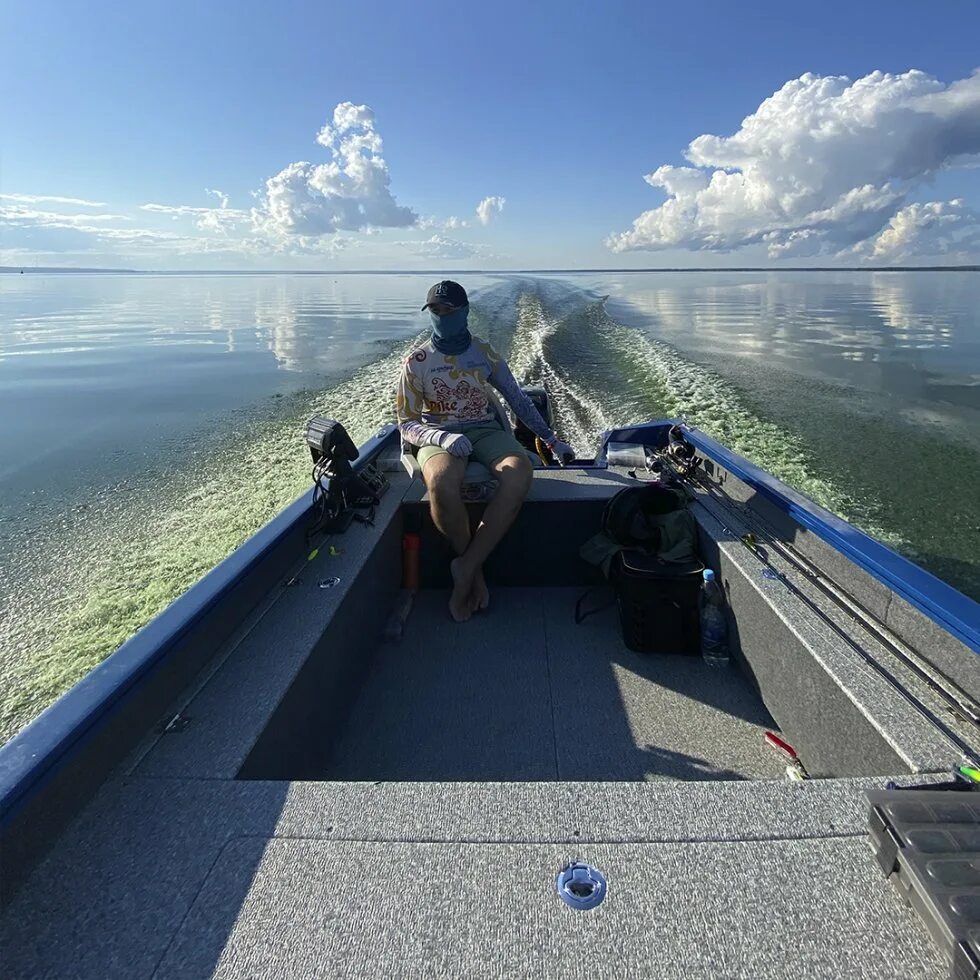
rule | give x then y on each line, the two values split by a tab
460	607
481	594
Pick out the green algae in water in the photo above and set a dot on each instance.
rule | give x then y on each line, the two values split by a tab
124	574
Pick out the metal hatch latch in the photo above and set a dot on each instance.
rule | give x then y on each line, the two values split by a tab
581	886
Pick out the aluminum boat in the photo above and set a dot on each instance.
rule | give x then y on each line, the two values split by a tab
303	769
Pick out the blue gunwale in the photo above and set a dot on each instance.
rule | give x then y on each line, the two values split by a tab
954	612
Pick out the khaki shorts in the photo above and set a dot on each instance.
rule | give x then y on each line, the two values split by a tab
490	443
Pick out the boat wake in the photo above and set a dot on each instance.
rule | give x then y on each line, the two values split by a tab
602	374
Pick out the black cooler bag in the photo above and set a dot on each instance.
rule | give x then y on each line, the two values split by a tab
657	602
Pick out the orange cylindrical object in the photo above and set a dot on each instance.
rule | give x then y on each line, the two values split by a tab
410	562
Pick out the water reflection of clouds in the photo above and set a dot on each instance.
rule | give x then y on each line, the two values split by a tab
307	323
792	311
911	334
917	319
320	327
746	319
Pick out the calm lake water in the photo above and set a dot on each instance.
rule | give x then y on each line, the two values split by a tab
149	424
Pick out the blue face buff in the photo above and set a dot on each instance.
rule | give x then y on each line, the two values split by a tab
450	335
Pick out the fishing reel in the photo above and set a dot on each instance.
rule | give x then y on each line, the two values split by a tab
680	453
677	459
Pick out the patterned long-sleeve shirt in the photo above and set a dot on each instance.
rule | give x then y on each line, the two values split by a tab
447	393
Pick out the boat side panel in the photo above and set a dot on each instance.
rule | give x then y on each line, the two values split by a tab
28	828
956	660
49	769
933	642
296	742
228	713
844	719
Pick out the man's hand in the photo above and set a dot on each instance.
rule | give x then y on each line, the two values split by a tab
562	452
456	444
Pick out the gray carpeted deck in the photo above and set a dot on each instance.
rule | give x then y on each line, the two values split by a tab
319	908
200	877
522	693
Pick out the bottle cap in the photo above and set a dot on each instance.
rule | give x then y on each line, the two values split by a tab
708	575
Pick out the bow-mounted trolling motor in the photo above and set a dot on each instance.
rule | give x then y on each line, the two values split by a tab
337	489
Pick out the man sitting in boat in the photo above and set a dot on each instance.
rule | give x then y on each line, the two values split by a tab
445	409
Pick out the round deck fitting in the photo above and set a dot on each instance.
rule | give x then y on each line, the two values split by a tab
581	886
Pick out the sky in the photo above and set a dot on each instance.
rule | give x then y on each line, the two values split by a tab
388	135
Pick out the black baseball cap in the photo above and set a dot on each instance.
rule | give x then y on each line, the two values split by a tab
448	292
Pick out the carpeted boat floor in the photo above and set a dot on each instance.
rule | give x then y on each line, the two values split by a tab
520	692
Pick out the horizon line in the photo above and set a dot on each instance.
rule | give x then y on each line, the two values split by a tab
40	270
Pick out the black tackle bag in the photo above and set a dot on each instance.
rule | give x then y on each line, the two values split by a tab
647	549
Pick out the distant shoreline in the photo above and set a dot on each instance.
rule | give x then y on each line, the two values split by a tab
67	270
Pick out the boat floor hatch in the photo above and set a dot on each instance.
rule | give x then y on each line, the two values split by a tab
523	693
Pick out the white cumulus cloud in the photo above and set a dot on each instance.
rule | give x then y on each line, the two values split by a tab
349	193
820	166
933	228
488	207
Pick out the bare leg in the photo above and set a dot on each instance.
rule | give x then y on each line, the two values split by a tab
443	476
481	594
514	474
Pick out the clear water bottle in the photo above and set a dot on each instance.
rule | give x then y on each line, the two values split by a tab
714	625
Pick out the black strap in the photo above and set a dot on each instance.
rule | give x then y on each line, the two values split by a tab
579	615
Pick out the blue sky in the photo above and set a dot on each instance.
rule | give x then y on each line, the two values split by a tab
554	112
